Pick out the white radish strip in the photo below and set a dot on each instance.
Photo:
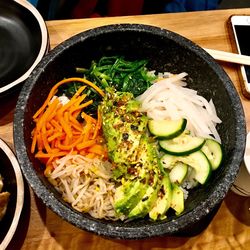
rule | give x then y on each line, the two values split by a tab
168	99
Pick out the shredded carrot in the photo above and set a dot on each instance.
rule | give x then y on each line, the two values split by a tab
97	149
56	125
98	124
70	146
55	135
58	131
88	117
84	105
85	144
48	155
66	127
34	140
77	125
56	86
91	155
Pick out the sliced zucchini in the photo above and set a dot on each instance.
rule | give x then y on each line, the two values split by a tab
177	202
199	162
184	144
178	173
167	129
213	150
196	160
190	182
168	161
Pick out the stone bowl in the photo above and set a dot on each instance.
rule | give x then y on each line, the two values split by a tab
165	51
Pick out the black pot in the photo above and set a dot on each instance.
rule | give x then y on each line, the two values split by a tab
23	43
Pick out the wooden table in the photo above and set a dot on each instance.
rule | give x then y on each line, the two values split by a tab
40	228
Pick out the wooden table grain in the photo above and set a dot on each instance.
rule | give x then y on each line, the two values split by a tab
40	228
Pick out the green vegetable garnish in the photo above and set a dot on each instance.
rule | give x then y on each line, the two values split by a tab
123	75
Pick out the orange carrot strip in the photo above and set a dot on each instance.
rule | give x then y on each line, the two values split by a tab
47	112
55	150
34	140
97	149
85	144
83	152
50	95
53	143
77	125
66	117
45	142
87	131
56	125
55	87
70	146
57	130
64	107
65	127
39	141
48	126
54	136
98	124
88	117
91	155
53	113
44	116
80	99
92	85
48	155
49	132
84	105
78	92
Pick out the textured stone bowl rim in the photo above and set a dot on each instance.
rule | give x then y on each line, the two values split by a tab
125	232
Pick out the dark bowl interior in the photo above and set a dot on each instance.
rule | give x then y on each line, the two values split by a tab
10	184
24	41
20	40
165	51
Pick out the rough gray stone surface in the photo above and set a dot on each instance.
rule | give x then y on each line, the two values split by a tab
166	51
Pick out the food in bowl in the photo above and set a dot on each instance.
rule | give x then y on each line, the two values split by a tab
122	142
4	199
12	194
165	51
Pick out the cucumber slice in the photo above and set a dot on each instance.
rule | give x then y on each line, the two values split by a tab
178	173
190	182
168	161
199	162
182	145
167	129
196	160
213	151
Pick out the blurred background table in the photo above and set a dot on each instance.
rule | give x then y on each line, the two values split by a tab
40	228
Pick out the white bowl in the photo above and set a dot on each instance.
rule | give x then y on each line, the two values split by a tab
13	183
